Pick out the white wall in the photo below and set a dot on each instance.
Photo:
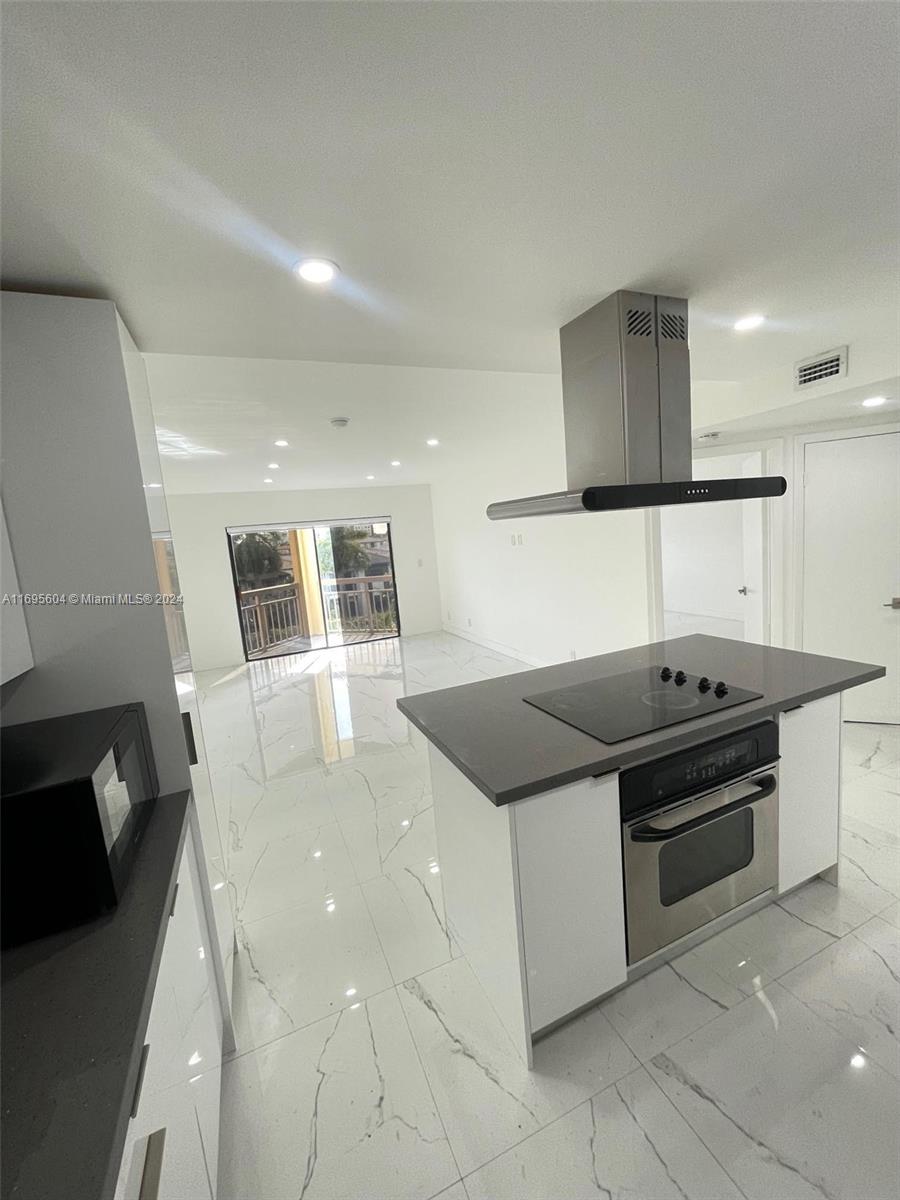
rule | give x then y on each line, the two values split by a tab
702	550
575	582
198	530
74	504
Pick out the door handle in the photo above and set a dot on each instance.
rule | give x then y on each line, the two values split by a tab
764	785
153	1161
189	738
139	1083
895	603
743	590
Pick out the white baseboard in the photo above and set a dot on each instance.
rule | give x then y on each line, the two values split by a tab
500	647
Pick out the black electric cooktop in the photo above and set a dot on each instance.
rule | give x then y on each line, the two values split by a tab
625	706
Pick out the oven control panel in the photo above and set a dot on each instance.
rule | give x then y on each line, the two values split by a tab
698	768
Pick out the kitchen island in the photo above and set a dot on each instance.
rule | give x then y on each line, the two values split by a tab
529	827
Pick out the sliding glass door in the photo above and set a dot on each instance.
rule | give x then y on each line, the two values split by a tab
356	576
305	587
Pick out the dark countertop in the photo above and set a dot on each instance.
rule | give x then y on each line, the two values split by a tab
511	750
75	1008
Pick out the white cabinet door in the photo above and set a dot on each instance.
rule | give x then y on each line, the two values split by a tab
184	1170
809	790
15	647
204	802
569	847
184	1031
182	1075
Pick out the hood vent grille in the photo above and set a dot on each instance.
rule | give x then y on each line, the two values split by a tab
820	367
673	326
639	322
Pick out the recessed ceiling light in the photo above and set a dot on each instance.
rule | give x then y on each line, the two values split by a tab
268	481
281	442
316	270
273	467
753	321
370	477
432	442
872	402
395	462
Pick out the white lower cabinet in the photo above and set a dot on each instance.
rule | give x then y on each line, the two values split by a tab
171	1149
569	851
201	788
809	790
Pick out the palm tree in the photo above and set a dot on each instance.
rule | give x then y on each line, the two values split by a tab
257	557
348	556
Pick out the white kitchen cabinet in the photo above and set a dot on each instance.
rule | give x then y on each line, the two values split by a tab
809	790
204	802
181	1082
533	895
569	849
15	649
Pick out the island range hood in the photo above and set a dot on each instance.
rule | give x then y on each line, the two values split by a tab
626	385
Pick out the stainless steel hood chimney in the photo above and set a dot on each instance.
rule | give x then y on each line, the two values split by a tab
626	384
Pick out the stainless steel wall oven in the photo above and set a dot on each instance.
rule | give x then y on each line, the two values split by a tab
699	835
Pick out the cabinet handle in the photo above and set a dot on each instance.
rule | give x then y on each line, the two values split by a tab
142	1067
189	738
174	898
153	1161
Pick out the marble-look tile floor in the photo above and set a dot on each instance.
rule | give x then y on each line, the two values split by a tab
765	1063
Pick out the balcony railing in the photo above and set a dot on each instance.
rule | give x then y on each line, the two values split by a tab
360	605
363	606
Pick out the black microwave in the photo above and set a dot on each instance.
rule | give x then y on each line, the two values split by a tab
77	792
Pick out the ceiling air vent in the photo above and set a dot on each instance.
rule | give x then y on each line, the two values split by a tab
820	367
639	322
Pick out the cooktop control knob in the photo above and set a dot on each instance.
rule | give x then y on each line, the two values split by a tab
704	685
665	674
721	689
680	678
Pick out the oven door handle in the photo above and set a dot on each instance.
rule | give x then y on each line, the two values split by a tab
763	785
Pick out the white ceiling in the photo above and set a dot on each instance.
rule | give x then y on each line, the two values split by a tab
219	418
842	406
482	172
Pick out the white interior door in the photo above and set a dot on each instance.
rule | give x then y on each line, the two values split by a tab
851	563
713	574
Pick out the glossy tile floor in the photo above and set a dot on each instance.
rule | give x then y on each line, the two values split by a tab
765	1063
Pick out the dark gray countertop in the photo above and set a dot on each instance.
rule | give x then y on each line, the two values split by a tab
75	1008
511	750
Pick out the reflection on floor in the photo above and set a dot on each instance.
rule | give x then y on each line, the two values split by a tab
764	1064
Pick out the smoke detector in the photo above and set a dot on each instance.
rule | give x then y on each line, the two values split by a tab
340	422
